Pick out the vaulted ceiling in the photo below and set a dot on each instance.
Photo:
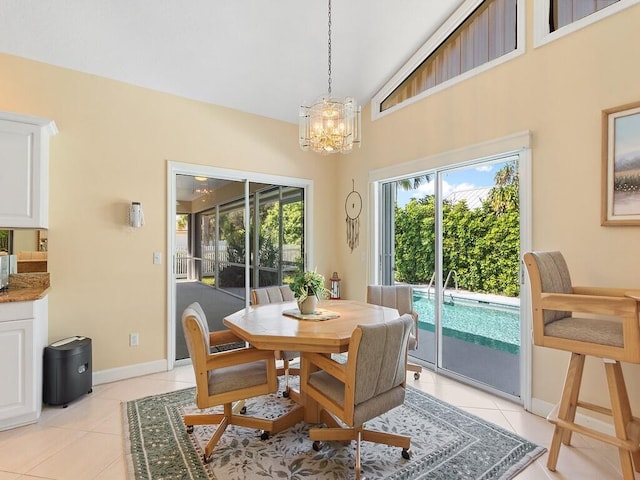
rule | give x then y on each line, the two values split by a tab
265	57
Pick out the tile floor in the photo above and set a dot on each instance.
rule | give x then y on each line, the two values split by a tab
85	440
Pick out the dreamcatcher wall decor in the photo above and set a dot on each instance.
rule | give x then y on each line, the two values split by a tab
353	208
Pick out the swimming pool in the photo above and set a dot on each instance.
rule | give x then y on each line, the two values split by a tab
489	324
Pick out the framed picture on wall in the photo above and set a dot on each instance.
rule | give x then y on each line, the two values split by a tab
621	165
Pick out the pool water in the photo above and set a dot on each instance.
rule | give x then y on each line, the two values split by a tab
488	324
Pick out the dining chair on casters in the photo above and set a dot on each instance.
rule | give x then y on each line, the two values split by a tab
399	297
559	322
278	294
226	377
370	383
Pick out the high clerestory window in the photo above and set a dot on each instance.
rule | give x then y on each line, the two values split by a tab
564	12
554	19
477	36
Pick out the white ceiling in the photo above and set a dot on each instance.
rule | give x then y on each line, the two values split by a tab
265	57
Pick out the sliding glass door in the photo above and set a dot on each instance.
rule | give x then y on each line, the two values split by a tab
229	236
454	234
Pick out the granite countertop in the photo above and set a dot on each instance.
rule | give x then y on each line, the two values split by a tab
26	287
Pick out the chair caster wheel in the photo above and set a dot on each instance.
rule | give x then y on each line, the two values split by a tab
90	390
405	454
206	459
189	428
317	445
416	376
243	410
264	435
285	394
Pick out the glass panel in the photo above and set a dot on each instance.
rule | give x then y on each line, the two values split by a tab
231	248
208	248
281	233
415	254
480	293
270	228
292	232
182	246
388	206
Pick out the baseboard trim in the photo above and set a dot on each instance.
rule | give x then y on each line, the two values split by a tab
542	409
130	371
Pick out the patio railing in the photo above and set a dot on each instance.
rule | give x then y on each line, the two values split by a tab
290	254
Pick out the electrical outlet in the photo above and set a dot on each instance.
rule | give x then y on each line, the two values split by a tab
157	258
133	339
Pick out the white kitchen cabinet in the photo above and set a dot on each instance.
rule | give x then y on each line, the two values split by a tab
24	170
23	337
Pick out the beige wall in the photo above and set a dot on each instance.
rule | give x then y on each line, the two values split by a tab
112	148
557	92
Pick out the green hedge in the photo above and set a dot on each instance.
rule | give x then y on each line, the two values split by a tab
482	245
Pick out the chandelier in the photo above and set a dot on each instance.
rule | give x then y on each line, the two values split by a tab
329	125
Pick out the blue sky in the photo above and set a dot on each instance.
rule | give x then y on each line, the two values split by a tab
455	180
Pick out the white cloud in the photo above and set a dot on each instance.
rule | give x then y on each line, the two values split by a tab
484	168
447	188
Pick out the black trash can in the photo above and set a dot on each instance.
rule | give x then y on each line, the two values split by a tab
67	370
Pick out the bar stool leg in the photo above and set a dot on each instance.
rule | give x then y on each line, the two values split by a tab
567	408
621	412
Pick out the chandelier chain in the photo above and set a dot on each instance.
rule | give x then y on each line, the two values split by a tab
330	125
329	47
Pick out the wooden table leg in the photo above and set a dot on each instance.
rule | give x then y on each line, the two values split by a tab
311	407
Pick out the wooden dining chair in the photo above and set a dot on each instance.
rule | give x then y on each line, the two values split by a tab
609	331
370	383
399	297
226	377
278	294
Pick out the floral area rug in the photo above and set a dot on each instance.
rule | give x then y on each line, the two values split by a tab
446	444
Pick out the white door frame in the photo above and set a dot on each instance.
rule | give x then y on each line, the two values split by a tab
518	143
179	168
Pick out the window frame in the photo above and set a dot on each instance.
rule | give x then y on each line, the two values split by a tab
542	33
432	44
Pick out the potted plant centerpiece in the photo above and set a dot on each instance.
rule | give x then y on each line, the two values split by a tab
308	287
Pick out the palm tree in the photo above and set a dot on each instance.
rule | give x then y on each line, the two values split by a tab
504	195
414	183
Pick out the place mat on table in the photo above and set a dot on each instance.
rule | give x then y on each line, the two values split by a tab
317	316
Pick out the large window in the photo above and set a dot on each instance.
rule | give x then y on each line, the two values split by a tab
485	31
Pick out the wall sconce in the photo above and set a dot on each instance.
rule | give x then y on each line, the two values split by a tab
136	216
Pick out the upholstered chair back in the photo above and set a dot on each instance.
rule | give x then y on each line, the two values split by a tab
554	278
399	297
275	294
195	310
380	367
196	334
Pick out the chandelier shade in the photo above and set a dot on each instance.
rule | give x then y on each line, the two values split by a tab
329	125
